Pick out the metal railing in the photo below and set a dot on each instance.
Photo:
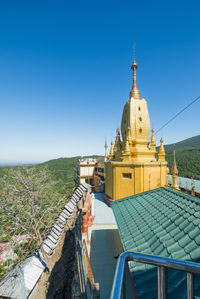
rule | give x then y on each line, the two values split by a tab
162	264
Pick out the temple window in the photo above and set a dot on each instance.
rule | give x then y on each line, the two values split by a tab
127	175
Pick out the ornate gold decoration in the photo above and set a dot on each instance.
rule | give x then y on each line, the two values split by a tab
135	93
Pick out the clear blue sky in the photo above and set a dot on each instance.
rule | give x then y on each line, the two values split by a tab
65	72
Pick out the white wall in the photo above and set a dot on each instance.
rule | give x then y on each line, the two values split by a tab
86	171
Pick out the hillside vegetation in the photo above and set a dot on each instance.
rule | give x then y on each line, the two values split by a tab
31	194
63	171
187	157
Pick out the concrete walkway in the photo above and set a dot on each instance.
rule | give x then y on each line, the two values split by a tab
105	244
103	213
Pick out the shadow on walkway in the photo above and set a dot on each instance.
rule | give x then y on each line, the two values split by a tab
62	274
100	196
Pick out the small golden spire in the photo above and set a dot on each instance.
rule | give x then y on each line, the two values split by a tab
153	141
111	155
135	93
174	167
106	149
117	146
174	174
161	153
125	153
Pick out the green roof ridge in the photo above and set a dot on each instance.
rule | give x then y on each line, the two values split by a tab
192	198
183	194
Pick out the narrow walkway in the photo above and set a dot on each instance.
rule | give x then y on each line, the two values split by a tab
103	213
105	245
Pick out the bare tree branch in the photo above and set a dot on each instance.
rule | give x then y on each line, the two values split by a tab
28	202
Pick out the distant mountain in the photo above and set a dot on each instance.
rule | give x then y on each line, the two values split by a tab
187	157
189	144
63	171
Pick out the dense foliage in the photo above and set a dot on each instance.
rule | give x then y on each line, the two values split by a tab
187	157
30	200
63	172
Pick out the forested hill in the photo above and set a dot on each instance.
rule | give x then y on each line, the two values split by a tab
187	157
189	144
63	170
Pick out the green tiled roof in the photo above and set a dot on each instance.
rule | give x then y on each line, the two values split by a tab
164	222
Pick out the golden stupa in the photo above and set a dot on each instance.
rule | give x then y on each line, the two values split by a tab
134	165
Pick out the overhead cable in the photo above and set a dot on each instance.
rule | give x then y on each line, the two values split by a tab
177	114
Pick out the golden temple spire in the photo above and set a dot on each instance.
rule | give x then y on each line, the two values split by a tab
161	153
174	174
106	149
128	138
125	153
117	146
174	167
111	155
153	141
135	93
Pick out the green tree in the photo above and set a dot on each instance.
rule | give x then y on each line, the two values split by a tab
29	203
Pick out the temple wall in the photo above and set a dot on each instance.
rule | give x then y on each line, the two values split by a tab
124	180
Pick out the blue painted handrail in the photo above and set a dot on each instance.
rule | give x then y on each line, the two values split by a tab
162	263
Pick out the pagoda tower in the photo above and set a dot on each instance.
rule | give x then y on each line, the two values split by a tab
134	159
174	173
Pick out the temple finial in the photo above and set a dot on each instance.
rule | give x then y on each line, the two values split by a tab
117	141
161	153
153	141
106	149
111	155
174	173
135	93
174	167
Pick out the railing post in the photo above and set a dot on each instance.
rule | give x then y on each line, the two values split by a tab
190	286
123	293
162	282
162	264
118	278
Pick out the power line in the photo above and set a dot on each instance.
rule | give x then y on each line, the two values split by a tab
177	114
